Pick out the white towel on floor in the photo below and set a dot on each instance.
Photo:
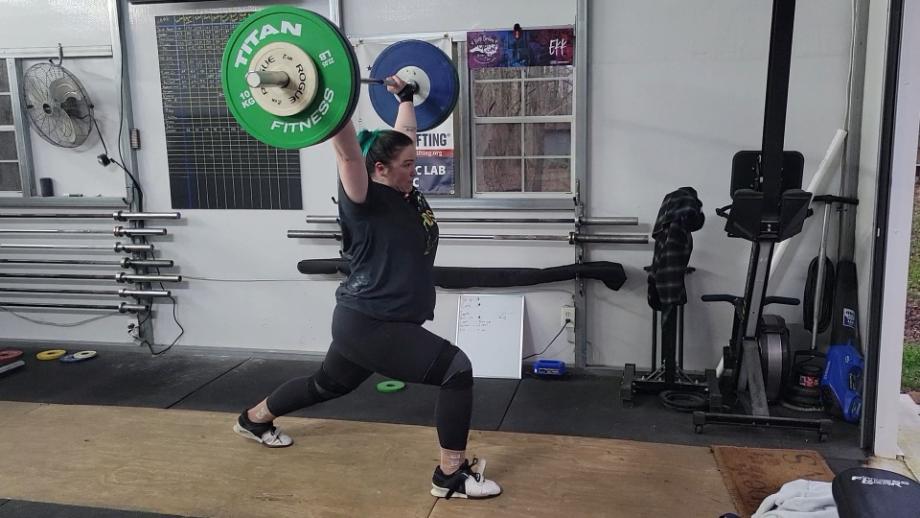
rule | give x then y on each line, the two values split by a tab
799	499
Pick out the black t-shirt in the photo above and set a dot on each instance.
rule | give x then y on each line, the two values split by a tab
390	241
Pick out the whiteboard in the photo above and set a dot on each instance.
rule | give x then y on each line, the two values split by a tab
490	330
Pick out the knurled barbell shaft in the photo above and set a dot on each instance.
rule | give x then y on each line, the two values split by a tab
120	293
118	247
117	215
571	238
118	277
117	232
124	263
121	308
582	221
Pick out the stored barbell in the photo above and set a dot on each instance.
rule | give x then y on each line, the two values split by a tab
291	78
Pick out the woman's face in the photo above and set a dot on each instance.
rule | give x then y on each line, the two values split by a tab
399	173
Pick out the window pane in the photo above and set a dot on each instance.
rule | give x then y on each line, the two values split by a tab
7	145
9	177
548	139
550	71
4	77
547	175
497	99
498	140
549	97
498	175
496	73
6	110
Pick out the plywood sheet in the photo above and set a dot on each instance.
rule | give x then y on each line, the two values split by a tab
191	463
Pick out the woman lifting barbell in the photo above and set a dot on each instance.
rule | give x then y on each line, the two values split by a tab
390	237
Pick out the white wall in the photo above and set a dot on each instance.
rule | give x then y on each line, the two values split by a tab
24	27
45	23
288	311
676	89
258	299
900	217
76	171
543	303
382	17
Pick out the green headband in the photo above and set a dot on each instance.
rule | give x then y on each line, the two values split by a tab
367	139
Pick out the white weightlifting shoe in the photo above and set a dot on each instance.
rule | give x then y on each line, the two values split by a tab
464	483
263	433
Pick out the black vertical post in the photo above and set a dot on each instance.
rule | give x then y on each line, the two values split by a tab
669	343
774	123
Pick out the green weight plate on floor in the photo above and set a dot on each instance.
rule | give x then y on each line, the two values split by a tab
338	77
390	386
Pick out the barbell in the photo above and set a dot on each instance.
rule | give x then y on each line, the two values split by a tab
291	78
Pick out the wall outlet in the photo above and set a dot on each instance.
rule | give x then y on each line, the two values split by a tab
568	313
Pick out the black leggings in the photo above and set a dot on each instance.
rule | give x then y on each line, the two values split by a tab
400	350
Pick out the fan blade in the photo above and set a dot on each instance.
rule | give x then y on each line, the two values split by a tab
63	128
36	94
63	89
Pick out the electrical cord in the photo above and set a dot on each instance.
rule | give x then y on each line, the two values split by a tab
175	319
567	322
105	159
56	324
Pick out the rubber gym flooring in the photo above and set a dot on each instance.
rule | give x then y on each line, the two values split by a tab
585	405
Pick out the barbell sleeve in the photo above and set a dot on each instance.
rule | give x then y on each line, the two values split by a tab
144	293
127	216
131	232
127	262
314	234
374	81
262	78
127	277
119	247
621	220
623	239
325	219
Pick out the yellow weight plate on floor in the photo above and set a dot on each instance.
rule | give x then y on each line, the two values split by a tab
51	354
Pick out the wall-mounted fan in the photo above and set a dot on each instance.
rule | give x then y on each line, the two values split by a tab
58	105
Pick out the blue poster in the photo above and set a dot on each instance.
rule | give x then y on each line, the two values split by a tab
434	171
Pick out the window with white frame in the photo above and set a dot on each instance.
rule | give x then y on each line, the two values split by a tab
521	129
10	179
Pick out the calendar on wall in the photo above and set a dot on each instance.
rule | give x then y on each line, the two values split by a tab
213	163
